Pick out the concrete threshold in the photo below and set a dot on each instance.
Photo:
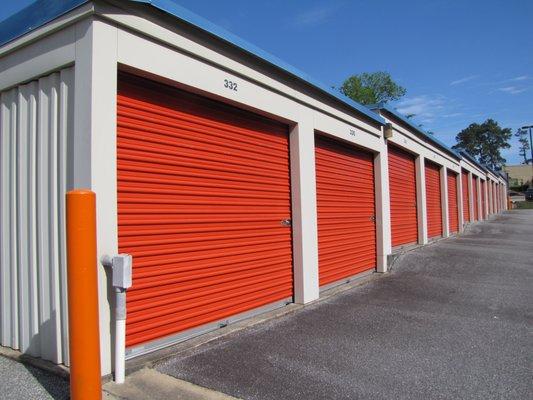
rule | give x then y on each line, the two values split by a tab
149	384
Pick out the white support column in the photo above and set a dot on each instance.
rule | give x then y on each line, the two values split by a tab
95	148
421	200
460	201
304	210
383	229
444	202
471	197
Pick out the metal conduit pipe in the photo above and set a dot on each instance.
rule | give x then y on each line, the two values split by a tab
121	266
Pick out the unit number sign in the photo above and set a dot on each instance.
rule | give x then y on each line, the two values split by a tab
230	84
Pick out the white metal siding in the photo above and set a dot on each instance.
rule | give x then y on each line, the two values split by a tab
35	124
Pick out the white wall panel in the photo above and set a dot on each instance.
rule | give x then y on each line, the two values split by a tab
35	125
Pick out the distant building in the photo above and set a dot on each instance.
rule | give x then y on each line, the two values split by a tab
519	174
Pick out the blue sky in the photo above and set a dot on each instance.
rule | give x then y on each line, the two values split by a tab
461	61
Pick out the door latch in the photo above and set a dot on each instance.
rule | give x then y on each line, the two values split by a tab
286	222
373	218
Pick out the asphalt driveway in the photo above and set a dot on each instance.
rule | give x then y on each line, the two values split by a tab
451	321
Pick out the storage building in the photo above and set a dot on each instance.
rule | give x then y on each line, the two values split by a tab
237	182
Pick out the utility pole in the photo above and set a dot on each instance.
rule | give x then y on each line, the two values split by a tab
529	128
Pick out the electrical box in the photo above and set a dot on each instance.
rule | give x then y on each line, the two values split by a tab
122	271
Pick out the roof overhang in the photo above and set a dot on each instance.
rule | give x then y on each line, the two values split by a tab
399	118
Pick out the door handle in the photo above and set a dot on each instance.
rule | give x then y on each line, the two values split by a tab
286	222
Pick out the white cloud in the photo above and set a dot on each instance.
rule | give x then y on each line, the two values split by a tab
425	108
452	115
519	78
464	80
512	89
315	16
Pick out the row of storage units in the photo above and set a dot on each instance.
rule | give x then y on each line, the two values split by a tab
236	182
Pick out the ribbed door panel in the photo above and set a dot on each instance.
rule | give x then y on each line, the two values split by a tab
433	199
466	197
483	199
202	191
402	186
36	131
494	197
346	210
453	209
475	198
497	197
491	197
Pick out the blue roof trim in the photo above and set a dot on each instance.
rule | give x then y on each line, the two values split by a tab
405	120
34	16
178	11
43	11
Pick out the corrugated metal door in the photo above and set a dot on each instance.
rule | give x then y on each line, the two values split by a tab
36	125
494	197
491	196
497	194
475	198
346	210
453	209
491	199
433	199
498	205
402	186
483	199
466	197
203	189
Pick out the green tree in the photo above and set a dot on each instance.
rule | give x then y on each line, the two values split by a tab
521	134
371	88
484	142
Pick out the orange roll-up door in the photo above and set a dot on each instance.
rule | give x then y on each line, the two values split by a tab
202	188
453	209
494	197
489	199
402	187
433	199
493	208
498	197
346	210
475	197
483	199
466	197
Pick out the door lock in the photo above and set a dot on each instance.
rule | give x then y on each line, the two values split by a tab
373	218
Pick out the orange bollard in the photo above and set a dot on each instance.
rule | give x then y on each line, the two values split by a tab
83	319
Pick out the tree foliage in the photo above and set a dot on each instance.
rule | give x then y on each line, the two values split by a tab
485	142
523	152
371	88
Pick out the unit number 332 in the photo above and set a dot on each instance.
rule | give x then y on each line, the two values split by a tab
230	84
